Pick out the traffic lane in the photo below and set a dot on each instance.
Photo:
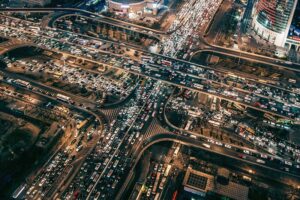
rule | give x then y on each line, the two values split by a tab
281	180
270	165
249	56
227	99
86	103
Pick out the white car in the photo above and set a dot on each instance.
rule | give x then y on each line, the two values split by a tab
219	143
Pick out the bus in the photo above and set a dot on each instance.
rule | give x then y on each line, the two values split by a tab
292	80
260	161
166	63
153	69
97	166
162	183
214	123
157	196
238	106
270	117
206	145
167	170
146	58
34	28
17	193
246	178
198	86
93	175
176	150
115	163
22	83
230	93
114	184
81	124
97	196
156	183
135	68
174	197
110	173
63	98
106	161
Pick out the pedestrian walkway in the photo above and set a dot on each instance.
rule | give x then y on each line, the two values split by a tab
111	114
12	44
154	129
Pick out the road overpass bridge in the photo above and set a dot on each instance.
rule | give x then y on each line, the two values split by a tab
207	46
249	56
100	23
262	170
101	18
14	44
220	96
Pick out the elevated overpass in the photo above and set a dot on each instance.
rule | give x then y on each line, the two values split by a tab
141	29
220	96
264	170
112	23
171	82
102	18
250	57
14	44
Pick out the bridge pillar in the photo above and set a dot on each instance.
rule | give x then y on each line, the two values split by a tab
137	37
114	30
287	46
129	34
106	30
101	28
119	31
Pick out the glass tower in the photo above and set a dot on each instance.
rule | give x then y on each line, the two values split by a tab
272	18
274	14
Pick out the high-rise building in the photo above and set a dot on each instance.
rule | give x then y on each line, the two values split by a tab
293	39
134	6
272	19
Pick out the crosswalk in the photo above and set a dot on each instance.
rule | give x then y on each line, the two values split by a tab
111	114
12	44
154	129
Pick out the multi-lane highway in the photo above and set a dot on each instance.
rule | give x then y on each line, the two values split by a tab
185	74
123	136
142	29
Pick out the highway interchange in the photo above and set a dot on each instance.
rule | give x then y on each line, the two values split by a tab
120	135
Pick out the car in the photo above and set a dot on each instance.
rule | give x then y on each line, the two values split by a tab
246	151
148	192
79	148
219	143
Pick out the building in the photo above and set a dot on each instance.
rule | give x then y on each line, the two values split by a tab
134	6
272	19
30	3
293	38
199	185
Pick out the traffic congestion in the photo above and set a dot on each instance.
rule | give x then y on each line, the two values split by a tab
116	103
196	78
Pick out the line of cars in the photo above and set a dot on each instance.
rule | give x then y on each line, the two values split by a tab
102	171
192	15
187	79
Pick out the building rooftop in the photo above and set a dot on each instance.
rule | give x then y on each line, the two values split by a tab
200	183
197	180
232	190
127	1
